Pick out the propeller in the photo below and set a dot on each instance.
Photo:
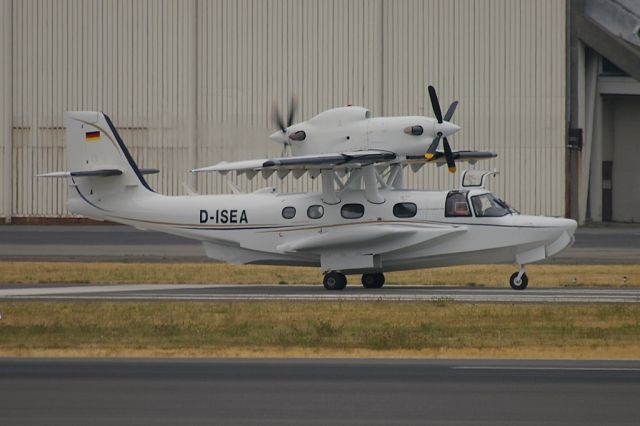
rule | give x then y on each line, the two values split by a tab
435	104
278	120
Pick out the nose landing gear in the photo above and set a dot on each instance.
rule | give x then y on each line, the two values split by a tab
519	280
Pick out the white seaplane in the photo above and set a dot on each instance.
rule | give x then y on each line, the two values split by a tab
362	222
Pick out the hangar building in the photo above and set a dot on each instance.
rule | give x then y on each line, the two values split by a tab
604	107
191	83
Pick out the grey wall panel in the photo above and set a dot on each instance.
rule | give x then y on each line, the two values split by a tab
129	59
261	53
626	150
191	83
5	108
504	61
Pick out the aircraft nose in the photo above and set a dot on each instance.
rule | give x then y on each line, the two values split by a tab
446	128
569	225
563	238
559	223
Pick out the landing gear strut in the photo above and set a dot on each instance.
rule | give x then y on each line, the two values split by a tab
372	280
334	281
519	280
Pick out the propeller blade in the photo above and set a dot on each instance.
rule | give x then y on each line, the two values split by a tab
293	105
432	148
450	111
451	164
277	118
435	104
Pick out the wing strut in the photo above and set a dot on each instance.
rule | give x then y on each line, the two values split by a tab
395	178
371	185
329	194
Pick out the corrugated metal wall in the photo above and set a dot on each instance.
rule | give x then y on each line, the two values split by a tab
190	83
5	107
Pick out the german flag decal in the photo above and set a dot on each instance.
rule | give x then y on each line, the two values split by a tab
92	136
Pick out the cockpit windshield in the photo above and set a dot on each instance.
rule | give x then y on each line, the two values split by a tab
488	205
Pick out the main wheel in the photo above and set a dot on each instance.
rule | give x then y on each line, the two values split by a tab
334	281
518	284
372	280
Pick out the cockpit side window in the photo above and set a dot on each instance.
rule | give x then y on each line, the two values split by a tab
488	205
457	204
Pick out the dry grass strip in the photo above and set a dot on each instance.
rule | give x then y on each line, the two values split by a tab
315	329
216	273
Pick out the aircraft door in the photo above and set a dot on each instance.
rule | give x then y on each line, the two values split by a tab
457	205
475	178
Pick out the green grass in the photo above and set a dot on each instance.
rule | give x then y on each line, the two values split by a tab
437	329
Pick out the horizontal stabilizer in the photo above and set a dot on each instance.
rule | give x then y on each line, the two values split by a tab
149	171
84	173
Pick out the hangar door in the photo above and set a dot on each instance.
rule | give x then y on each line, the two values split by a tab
621	167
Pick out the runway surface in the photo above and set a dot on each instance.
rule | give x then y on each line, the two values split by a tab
616	244
222	292
318	392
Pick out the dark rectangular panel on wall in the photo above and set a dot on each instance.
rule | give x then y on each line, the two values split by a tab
607	198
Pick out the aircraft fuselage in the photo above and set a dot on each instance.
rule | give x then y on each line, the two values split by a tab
410	229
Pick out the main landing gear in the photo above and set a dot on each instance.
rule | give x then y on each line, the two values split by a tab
337	281
372	280
519	280
334	281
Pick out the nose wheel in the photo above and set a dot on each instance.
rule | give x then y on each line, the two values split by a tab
372	280
334	281
519	280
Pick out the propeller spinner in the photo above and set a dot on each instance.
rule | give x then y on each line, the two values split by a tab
283	135
443	129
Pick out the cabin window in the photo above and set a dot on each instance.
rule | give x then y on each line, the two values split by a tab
457	205
352	211
315	211
405	210
488	205
289	212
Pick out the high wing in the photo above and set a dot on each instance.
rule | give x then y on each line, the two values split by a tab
439	157
303	163
345	160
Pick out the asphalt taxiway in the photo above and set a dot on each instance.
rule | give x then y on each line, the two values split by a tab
611	244
363	392
226	292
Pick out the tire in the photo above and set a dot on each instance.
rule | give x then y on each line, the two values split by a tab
334	281
372	280
522	284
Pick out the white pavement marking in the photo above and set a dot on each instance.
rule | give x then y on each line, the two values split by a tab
542	368
305	292
35	291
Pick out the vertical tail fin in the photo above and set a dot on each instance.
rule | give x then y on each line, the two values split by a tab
103	177
93	144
